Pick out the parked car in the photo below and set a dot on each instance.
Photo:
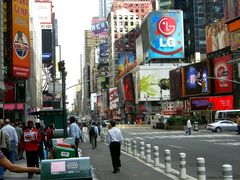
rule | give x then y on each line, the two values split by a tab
222	125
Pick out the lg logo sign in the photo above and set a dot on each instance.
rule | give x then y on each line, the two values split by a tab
167	27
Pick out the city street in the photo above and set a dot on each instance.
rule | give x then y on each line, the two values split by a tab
216	148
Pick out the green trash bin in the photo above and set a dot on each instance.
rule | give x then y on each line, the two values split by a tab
64	152
63	169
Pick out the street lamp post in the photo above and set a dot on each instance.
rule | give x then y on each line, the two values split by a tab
147	96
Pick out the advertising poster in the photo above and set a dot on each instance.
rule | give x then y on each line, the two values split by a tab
44	12
217	36
235	40
99	28
195	79
212	103
128	88
20	39
104	50
231	9
222	74
126	62
164	35
113	98
148	78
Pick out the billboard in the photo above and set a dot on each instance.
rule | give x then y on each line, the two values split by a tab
47	49
147	80
223	74
139	50
113	98
175	77
126	62
44	13
128	88
212	103
20	39
162	35
231	9
104	52
195	79
99	28
235	40
217	36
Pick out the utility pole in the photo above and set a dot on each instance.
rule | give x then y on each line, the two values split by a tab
61	68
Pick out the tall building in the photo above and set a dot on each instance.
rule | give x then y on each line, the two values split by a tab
104	8
124	27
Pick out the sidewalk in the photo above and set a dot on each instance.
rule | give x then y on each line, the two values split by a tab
131	168
102	169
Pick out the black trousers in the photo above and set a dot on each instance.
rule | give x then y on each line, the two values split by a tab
32	159
115	149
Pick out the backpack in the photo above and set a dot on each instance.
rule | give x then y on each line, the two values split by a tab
92	131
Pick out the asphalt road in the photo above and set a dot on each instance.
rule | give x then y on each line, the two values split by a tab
216	148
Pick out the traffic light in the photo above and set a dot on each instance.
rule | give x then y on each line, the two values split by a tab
61	65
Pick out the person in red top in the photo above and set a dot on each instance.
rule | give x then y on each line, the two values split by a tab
32	138
49	136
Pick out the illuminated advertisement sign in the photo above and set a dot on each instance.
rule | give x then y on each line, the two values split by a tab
175	77
195	79
222	74
162	35
126	62
20	39
99	27
217	36
212	103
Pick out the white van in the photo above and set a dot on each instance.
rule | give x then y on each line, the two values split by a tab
227	114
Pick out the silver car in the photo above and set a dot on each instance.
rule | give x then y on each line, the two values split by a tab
222	125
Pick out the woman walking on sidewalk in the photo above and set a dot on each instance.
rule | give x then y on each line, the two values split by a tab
114	140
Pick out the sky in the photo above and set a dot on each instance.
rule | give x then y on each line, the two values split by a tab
74	16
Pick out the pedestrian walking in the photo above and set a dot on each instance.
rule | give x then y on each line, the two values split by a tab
114	139
49	136
238	124
13	139
19	131
93	134
32	138
41	148
189	127
75	132
5	144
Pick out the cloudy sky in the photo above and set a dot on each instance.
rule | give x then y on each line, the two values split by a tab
74	16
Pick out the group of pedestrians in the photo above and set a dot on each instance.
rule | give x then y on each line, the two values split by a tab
14	140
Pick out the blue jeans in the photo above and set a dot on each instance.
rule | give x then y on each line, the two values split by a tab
12	153
1	173
188	131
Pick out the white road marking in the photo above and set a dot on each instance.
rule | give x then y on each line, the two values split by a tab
178	147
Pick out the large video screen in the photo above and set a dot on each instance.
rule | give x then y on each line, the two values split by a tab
175	77
196	80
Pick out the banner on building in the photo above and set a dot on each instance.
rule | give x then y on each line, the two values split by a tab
20	40
99	28
126	62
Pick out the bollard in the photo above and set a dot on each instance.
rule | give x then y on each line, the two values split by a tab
129	147
201	170
156	156
227	172
182	171
134	145
125	145
148	153
142	150
167	156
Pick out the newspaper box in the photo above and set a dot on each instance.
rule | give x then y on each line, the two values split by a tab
63	169
64	152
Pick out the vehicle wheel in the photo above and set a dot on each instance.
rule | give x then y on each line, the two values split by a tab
218	129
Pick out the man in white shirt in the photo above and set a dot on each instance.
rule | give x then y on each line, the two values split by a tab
114	140
13	139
